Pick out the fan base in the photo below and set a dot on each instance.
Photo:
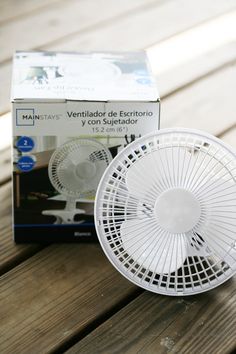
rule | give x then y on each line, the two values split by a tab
64	216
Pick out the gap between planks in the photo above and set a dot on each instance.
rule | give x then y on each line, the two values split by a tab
203	323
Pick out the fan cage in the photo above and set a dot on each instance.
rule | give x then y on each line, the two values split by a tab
100	153
114	205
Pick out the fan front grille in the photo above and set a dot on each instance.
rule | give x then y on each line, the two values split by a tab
131	232
62	167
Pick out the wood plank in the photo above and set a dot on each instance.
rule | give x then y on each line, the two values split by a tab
56	294
5	165
204	323
11	9
5	130
5	88
64	19
145	28
208	328
5	153
208	104
230	137
10	253
133	327
187	74
196	51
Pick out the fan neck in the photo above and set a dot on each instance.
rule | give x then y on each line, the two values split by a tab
70	203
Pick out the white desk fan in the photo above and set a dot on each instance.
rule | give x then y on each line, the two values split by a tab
75	169
165	212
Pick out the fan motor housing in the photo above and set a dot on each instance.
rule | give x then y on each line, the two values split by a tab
177	210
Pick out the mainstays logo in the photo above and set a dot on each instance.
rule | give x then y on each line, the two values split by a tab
41	116
28	117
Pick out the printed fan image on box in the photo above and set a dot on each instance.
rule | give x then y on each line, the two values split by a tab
75	170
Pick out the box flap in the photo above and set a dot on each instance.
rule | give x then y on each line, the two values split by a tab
53	76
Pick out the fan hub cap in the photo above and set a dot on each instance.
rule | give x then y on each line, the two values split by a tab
177	210
85	170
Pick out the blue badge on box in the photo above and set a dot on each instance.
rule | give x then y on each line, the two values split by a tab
25	144
26	163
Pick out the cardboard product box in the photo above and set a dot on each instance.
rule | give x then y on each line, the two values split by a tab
72	113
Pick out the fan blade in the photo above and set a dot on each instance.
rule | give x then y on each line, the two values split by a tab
79	155
158	171
219	236
69	179
221	246
92	181
151	248
100	168
196	245
212	179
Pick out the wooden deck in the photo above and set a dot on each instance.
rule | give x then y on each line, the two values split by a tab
68	298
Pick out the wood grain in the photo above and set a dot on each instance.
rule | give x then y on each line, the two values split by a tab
230	137
175	79
56	294
10	253
5	165
64	19
202	328
142	29
208	104
12	9
5	88
151	324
